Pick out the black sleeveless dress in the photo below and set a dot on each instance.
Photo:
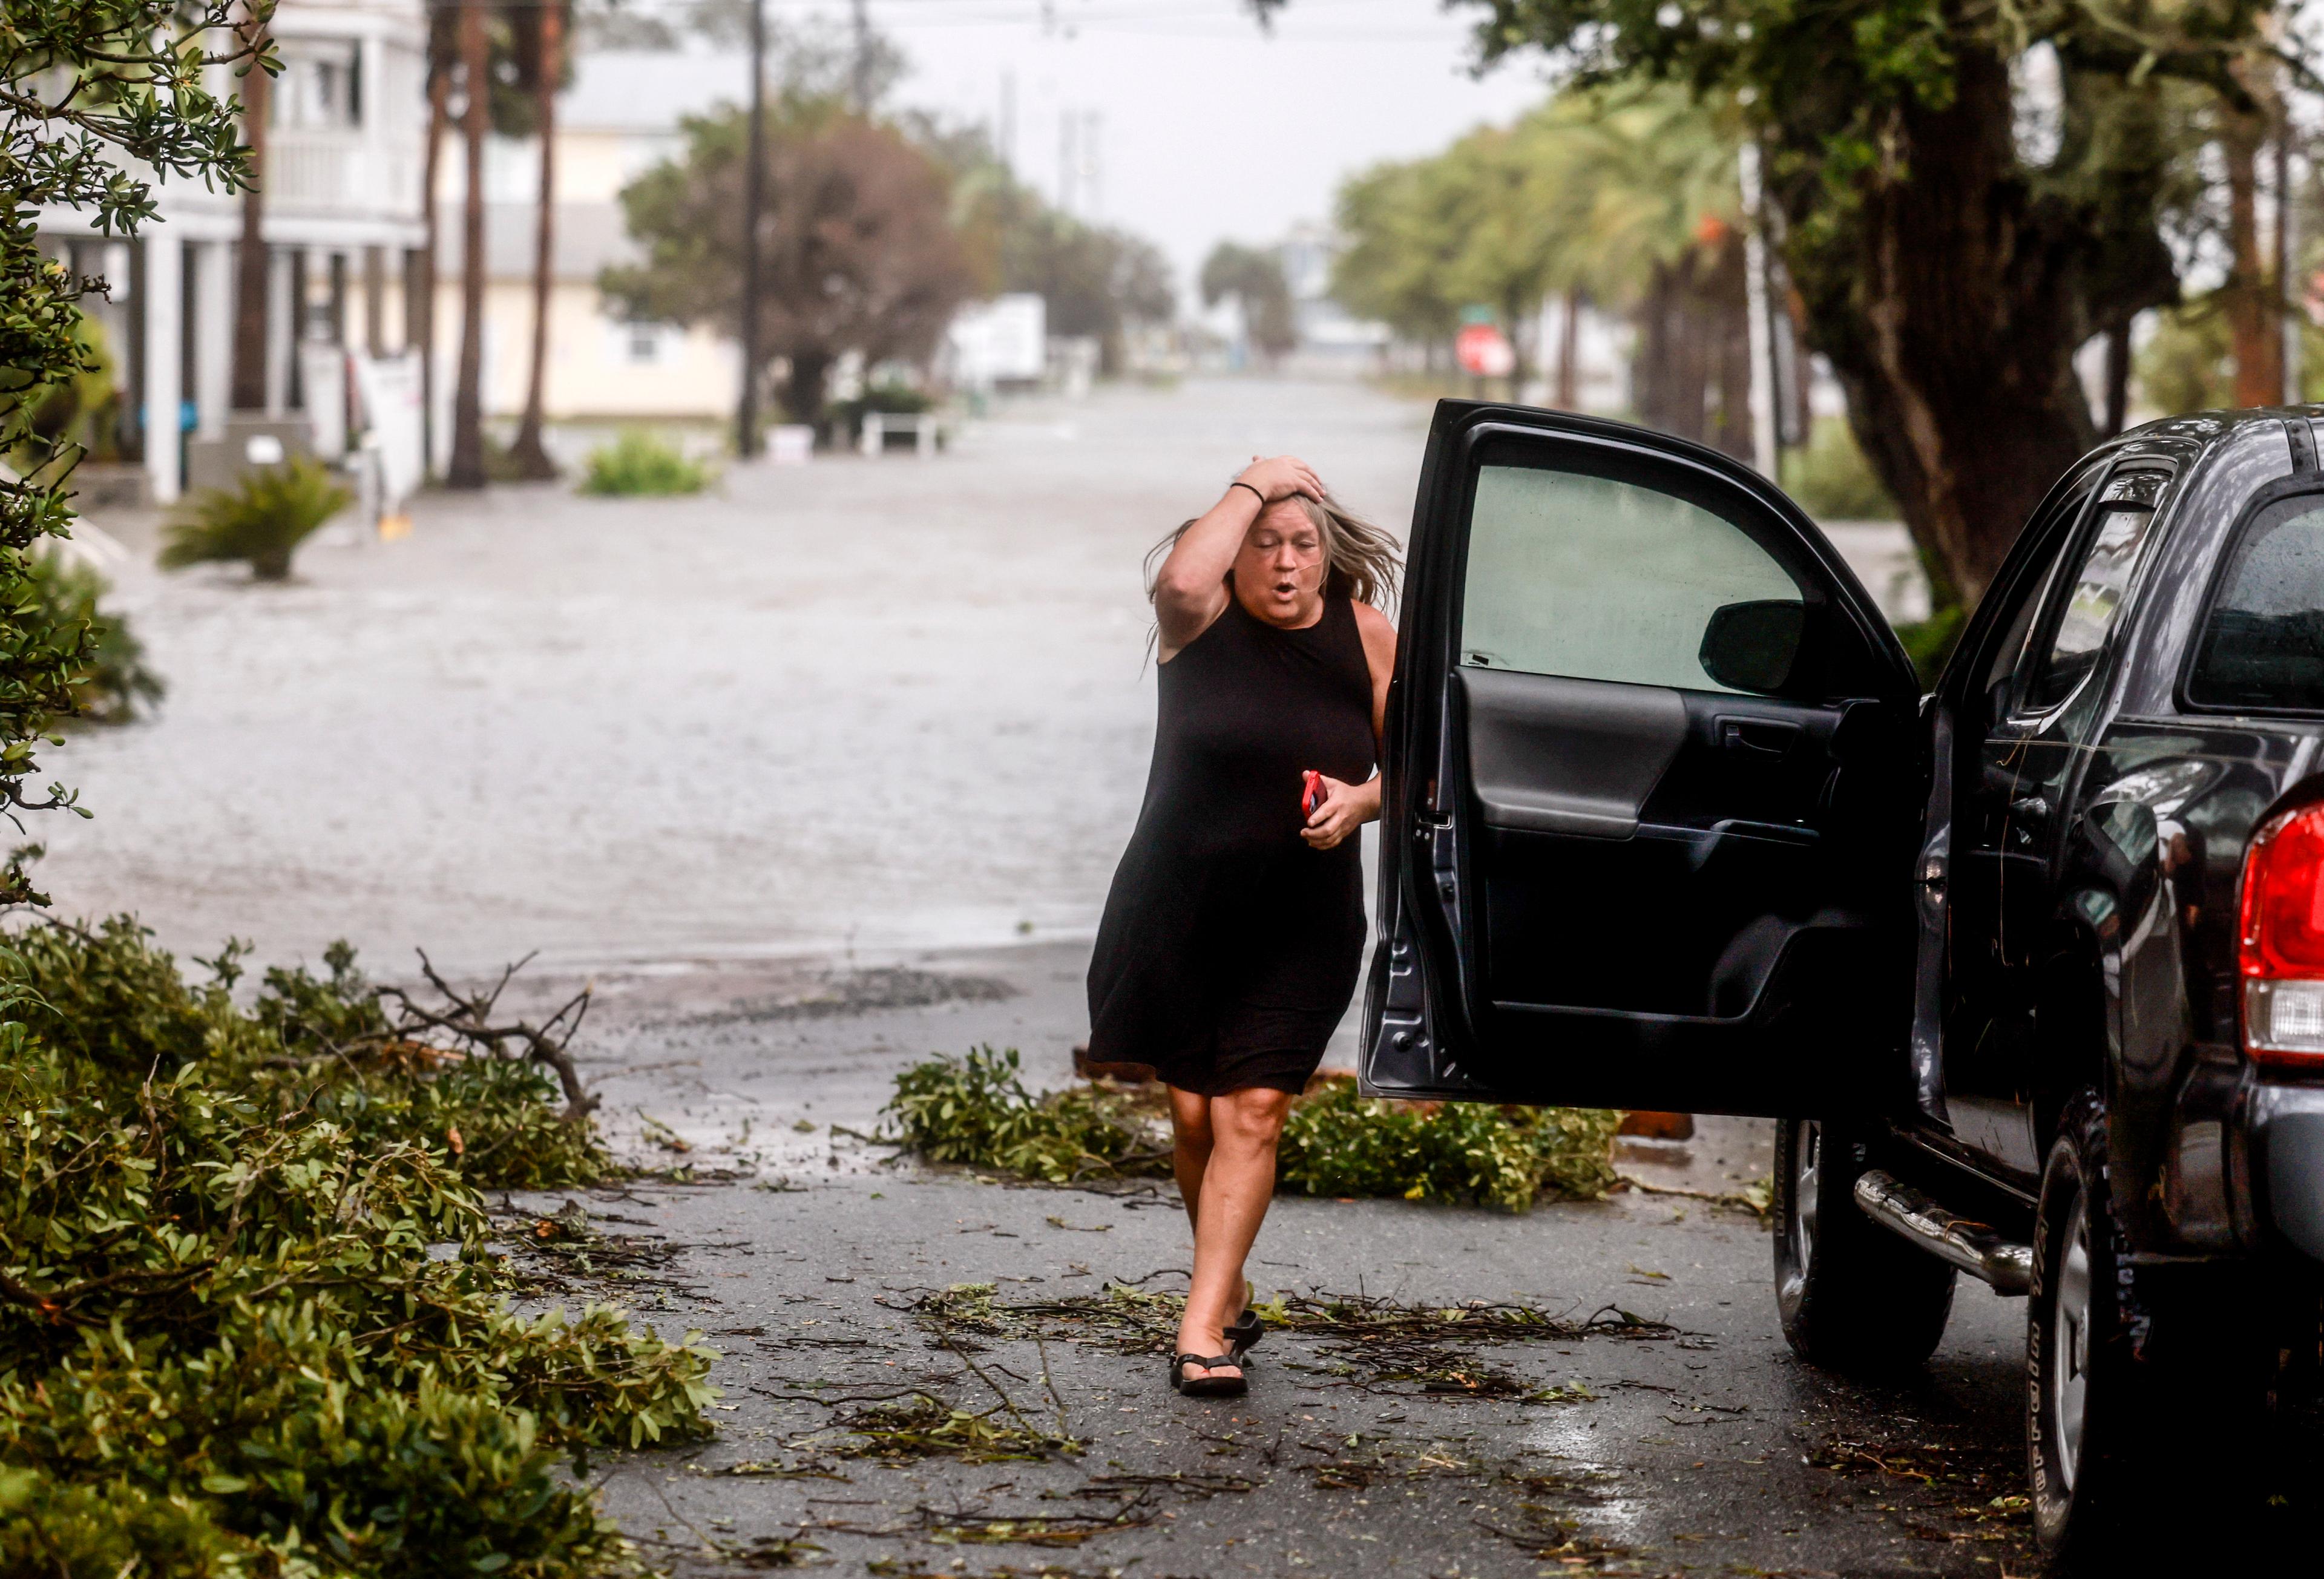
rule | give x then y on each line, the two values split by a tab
1230	948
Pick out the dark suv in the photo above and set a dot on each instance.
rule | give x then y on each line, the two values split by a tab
2031	969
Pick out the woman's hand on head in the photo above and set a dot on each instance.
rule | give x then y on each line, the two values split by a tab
1280	476
1345	809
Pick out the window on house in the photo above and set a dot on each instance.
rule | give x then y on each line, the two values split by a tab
321	85
642	344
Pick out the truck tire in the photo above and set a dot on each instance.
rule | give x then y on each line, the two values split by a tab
2117	1390
1853	1297
2086	1428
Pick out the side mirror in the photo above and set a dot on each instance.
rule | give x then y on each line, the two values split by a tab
1752	646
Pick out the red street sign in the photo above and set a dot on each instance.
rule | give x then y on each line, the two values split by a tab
1484	350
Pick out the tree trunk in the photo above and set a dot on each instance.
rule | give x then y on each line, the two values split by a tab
803	389
1569	346
1725	310
250	259
1520	353
531	455
467	467
1650	359
1951	305
2117	379
1802	391
1673	367
2246	296
440	100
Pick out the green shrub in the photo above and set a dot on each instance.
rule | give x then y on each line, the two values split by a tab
1831	479
226	1348
261	521
114	680
639	464
975	1109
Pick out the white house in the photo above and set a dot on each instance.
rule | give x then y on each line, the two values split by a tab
342	180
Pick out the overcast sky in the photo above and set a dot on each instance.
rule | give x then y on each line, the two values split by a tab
1208	128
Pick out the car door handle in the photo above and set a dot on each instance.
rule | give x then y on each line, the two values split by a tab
1757	737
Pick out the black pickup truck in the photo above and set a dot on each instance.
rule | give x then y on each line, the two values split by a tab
2030	970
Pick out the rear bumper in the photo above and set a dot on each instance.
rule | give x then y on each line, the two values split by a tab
2286	1126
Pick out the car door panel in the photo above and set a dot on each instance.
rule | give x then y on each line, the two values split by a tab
1632	858
1578	757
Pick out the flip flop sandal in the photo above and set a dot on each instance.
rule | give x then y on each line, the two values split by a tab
1206	1386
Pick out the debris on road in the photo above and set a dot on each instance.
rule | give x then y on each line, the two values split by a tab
975	1109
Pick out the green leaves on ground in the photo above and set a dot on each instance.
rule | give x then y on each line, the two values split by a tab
975	1109
1341	1143
639	463
248	1325
260	522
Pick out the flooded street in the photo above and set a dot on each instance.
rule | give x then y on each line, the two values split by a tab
870	704
878	705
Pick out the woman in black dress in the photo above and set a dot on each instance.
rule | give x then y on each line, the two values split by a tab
1235	928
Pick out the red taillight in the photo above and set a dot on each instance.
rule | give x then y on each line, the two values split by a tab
2280	939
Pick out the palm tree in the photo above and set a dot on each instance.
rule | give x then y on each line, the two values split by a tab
1639	192
250	265
530	456
442	54
467	467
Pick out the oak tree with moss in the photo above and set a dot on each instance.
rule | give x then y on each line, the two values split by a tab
1949	269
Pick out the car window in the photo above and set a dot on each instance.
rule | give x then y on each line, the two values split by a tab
2263	642
2124	519
1595	579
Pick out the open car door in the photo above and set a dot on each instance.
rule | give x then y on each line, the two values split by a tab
1654	782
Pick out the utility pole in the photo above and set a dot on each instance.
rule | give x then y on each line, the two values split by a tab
754	200
1093	170
1067	121
862	58
1006	143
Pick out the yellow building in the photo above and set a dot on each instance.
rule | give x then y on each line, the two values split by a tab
618	119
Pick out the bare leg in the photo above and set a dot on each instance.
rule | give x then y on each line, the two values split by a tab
1190	1150
1237	1183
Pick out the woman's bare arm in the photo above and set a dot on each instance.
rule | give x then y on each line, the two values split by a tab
1191	589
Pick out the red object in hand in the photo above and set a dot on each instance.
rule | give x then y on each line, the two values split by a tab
1311	792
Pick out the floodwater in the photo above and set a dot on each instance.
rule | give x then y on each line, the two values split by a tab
862	705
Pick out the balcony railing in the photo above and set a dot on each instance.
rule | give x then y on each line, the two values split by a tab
341	172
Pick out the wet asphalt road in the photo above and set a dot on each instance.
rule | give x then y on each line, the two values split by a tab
1707	1448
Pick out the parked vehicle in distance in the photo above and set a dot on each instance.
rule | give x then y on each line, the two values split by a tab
2030	970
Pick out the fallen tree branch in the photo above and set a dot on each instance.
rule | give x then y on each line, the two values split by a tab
468	1019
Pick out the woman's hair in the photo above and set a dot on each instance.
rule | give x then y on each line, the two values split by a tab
1364	559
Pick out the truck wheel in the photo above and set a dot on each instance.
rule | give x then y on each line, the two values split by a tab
2108	1429
2082	1422
1853	1296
